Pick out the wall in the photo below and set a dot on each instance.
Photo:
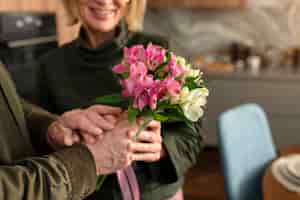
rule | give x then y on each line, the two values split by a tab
196	3
261	23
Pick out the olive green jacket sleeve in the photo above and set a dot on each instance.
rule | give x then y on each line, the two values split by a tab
51	177
183	146
38	120
69	174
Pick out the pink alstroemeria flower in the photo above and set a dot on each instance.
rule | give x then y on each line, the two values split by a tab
174	68
127	87
155	56
138	70
172	86
142	92
156	93
137	73
135	54
120	69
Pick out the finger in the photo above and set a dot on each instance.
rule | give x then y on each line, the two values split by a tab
124	116
146	157
68	140
140	121
99	120
146	147
76	138
99	137
149	136
131	134
60	136
104	110
86	125
77	120
88	138
153	125
111	119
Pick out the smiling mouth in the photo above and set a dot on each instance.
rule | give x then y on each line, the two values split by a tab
103	13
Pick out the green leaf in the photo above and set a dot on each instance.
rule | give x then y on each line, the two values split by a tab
161	106
100	181
132	114
160	117
191	84
114	99
174	115
124	75
204	84
147	113
191	79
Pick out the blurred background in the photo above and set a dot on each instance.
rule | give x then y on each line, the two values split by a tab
248	49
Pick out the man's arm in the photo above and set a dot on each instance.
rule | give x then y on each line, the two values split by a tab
69	174
38	120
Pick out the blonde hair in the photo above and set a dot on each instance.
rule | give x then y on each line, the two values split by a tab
134	16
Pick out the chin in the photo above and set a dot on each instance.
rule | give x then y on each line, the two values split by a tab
104	29
103	26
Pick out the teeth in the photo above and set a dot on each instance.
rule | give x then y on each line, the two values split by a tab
104	12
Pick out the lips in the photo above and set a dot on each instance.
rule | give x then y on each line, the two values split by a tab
103	13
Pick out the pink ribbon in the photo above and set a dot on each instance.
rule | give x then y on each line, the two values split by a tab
128	184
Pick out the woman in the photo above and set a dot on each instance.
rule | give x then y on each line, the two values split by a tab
75	74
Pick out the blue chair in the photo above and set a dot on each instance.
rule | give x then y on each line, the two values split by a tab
246	148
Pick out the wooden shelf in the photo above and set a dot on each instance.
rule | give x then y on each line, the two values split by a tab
213	4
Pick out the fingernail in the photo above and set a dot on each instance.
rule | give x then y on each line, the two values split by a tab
131	134
99	131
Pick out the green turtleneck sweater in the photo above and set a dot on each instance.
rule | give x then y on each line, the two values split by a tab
74	75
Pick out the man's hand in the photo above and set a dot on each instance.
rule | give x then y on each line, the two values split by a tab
79	125
114	151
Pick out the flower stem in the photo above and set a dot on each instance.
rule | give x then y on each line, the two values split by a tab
100	182
142	127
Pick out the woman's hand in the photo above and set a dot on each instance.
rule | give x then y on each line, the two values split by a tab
79	125
148	146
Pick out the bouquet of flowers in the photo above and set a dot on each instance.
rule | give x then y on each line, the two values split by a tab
158	85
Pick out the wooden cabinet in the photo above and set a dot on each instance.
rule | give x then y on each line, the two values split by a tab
28	5
65	33
196	3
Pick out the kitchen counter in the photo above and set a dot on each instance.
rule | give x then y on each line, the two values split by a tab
273	75
277	92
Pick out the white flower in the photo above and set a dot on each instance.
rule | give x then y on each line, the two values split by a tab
192	102
188	70
192	111
193	73
181	61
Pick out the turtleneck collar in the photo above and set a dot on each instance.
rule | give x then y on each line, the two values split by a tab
107	49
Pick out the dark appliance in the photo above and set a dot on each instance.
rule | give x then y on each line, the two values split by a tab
24	37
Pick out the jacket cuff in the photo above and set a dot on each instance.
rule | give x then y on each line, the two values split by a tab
81	168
